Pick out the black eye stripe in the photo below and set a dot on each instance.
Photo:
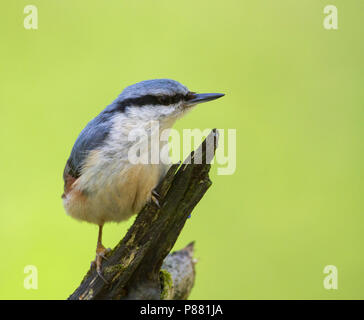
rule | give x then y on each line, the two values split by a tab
164	100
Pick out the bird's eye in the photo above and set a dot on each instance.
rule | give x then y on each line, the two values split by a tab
164	100
170	99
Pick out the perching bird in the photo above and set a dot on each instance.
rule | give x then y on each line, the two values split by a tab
101	184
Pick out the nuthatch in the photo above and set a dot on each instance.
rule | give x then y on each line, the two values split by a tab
100	183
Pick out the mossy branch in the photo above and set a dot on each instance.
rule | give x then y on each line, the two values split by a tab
138	267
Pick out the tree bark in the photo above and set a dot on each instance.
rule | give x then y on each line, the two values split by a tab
138	267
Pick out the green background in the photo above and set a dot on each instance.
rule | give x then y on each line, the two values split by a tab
294	92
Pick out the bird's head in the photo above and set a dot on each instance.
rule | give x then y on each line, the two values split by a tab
159	99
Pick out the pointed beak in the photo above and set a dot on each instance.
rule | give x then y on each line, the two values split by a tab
203	97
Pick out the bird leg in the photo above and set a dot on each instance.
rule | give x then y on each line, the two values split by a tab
101	252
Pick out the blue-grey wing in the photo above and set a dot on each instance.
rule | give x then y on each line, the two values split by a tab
91	137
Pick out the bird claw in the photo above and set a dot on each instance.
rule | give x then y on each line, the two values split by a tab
155	197
155	193
155	200
101	252
99	272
